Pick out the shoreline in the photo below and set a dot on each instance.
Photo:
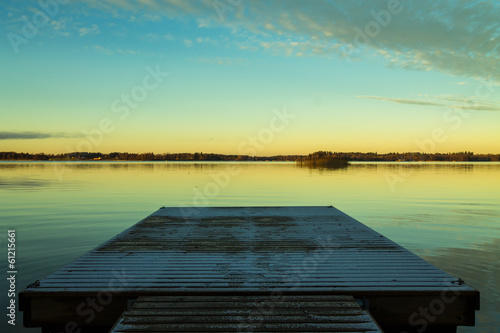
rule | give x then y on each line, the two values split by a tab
247	161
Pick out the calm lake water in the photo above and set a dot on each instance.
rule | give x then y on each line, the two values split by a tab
447	213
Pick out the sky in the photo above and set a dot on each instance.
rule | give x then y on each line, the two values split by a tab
255	77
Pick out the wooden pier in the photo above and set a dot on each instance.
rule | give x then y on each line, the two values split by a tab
246	314
249	269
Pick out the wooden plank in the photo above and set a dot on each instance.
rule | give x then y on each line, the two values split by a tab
246	314
250	251
289	288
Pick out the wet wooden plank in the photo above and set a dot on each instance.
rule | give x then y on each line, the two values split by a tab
246	314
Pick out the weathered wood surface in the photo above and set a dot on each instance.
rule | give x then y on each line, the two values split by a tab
277	313
252	250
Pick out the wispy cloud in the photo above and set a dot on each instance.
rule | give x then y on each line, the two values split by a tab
35	135
402	100
94	29
128	52
60	27
223	61
460	38
151	37
106	51
455	102
102	49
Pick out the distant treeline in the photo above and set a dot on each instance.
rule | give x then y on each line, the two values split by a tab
409	157
81	156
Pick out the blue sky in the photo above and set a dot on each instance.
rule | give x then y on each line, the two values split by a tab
353	76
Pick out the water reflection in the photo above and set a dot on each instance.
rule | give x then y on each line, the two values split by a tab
463	167
23	183
447	212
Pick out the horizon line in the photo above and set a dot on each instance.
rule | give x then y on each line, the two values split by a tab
236	154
